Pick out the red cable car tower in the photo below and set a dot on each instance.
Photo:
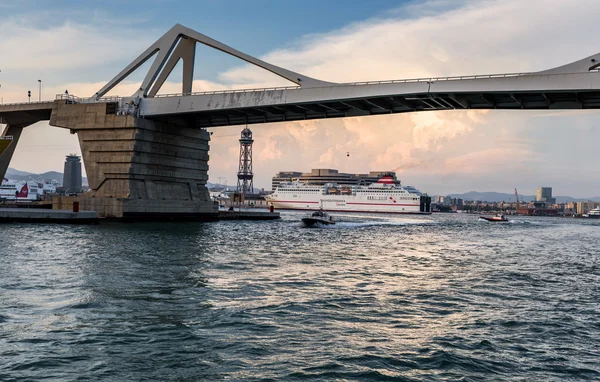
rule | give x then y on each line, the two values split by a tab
245	185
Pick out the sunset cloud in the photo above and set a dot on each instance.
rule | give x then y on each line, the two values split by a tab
440	152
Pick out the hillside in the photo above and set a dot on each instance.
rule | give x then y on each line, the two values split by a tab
504	197
14	174
471	195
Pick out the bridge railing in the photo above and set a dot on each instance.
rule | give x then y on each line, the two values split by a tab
24	103
410	80
75	99
435	79
226	91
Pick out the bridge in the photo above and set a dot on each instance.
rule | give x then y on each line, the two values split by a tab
146	155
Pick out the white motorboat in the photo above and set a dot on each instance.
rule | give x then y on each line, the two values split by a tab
318	217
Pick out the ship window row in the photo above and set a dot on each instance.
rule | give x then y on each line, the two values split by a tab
382	191
386	198
371	192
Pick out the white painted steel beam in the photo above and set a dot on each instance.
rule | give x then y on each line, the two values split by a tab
186	38
539	84
575	85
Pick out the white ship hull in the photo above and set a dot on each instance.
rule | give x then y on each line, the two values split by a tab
385	196
347	205
19	191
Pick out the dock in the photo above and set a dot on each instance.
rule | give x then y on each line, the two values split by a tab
42	215
39	215
248	215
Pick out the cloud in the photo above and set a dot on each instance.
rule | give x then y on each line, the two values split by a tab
483	162
64	52
476	38
61	48
440	39
437	151
271	151
434	129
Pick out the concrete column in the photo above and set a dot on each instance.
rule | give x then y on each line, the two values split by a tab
137	168
7	148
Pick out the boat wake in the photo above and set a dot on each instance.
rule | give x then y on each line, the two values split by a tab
347	224
518	222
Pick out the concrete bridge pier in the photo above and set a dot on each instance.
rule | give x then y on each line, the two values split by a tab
7	147
137	168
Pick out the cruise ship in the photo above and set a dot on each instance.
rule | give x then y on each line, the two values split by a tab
387	195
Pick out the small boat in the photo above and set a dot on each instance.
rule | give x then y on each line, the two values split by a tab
495	218
318	217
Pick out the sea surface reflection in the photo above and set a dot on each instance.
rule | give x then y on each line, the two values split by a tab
375	297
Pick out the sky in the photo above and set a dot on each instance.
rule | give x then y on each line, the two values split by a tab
79	46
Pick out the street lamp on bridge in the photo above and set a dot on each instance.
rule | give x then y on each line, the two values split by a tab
40	93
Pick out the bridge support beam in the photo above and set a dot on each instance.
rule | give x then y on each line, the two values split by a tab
7	148
137	168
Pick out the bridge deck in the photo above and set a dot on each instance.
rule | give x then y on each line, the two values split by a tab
26	106
222	108
25	113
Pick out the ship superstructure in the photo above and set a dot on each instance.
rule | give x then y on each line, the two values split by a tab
387	195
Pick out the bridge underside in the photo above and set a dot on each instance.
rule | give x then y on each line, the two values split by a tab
26	113
386	105
16	118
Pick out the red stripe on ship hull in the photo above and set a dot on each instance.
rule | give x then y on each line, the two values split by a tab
348	203
382	204
367	212
290	201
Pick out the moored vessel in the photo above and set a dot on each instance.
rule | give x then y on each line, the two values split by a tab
19	191
593	214
387	195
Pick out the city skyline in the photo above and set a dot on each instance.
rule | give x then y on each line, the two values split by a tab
437	152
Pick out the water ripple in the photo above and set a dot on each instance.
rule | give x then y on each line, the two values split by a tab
435	298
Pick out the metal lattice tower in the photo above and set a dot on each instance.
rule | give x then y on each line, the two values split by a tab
245	175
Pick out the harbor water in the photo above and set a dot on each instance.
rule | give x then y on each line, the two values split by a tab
444	297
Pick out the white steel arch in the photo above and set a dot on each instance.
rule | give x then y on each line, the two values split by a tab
572	86
180	43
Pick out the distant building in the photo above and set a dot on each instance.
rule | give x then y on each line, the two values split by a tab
534	211
284	176
448	201
72	181
320	176
585	207
570	208
544	194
